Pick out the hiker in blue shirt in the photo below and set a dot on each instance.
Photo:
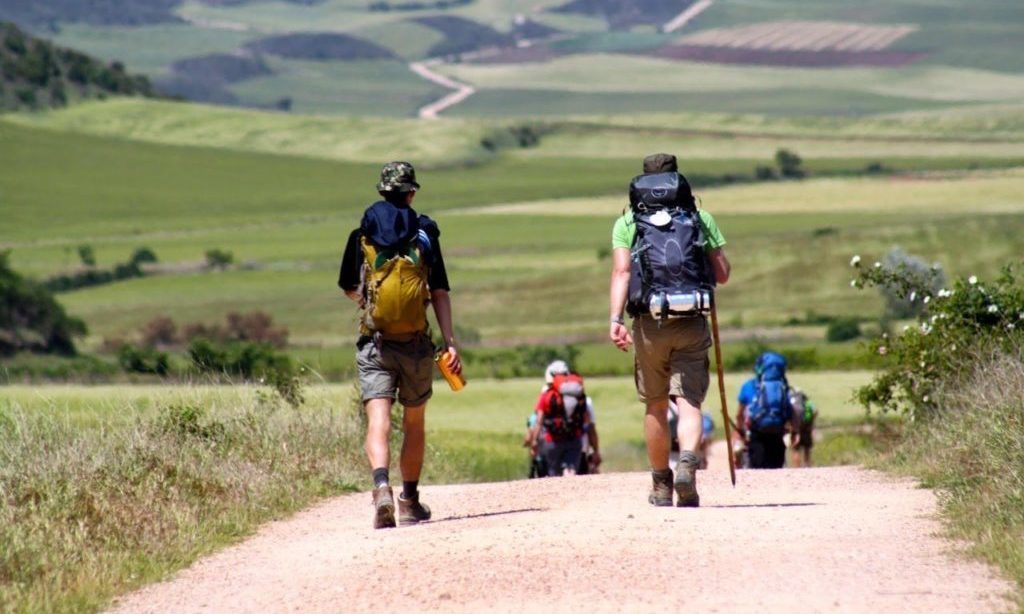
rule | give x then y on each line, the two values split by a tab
765	412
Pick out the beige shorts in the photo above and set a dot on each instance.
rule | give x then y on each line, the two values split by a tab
672	360
405	368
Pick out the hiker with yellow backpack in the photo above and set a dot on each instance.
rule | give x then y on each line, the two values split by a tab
393	268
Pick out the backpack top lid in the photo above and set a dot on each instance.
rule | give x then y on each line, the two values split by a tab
770	366
568	384
388	226
660	191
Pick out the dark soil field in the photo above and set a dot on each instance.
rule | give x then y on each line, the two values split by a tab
462	35
787	57
320	46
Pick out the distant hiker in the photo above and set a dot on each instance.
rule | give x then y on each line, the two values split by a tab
765	412
707	429
667	258
804	415
393	269
564	424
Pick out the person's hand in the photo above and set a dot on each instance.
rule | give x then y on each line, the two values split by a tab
620	336
595	458
454	362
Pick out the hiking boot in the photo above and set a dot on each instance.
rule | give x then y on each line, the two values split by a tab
686	480
411	511
384	508
661	489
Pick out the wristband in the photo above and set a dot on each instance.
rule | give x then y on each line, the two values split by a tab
618	320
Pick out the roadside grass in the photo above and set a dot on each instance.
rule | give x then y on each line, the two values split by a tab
107	488
94	505
972	452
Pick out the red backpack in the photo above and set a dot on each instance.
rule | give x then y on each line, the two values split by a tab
567	407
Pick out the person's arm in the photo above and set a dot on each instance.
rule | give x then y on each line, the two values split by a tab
443	310
617	331
349	277
720	265
594	442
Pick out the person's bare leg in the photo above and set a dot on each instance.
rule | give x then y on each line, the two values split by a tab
378	416
797	458
413	443
807	457
689	431
657	435
691	425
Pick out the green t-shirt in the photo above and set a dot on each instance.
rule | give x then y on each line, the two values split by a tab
625	231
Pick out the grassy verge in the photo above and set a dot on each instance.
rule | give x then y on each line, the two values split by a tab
98	499
972	452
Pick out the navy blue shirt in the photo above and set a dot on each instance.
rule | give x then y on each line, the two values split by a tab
350	277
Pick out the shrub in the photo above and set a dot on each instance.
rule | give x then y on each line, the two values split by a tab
161	331
219	259
929	277
31	318
789	163
842	329
143	255
257	326
142	360
764	173
953	325
87	255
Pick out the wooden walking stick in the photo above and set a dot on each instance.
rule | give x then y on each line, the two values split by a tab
721	393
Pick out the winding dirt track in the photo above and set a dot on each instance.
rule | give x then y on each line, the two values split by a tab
834	539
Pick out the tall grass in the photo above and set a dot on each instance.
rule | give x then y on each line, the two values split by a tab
90	512
972	452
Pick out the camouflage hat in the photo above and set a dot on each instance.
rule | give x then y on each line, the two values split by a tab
660	163
397	177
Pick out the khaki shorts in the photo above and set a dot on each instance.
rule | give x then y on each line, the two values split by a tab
672	360
405	368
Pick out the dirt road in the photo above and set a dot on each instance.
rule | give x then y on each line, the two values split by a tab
835	539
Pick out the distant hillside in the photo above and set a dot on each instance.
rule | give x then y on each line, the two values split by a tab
36	74
46	13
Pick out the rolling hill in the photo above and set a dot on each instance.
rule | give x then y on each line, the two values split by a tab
350	56
35	74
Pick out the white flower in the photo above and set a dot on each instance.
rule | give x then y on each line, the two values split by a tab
855	261
943	293
923	364
973	279
882	350
878	264
926	398
913	296
993	309
853	283
906	327
1010	326
1020	316
934	318
952	348
926	328
927	300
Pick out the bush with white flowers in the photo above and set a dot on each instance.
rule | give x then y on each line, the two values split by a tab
955	324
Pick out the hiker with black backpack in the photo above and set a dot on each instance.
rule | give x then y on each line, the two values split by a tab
393	268
765	413
667	258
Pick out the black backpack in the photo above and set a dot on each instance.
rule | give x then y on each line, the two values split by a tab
670	274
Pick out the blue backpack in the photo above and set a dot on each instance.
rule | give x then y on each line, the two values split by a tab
771	408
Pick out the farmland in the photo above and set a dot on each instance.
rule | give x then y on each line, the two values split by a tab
505	218
505	48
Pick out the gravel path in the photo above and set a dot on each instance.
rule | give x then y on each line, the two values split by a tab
835	539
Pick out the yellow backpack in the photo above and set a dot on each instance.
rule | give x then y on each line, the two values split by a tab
395	282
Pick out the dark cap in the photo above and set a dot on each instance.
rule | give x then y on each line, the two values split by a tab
660	163
397	177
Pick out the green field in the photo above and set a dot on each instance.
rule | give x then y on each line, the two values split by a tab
970	57
483	424
524	229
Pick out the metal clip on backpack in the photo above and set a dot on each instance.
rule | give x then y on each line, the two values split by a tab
671	276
